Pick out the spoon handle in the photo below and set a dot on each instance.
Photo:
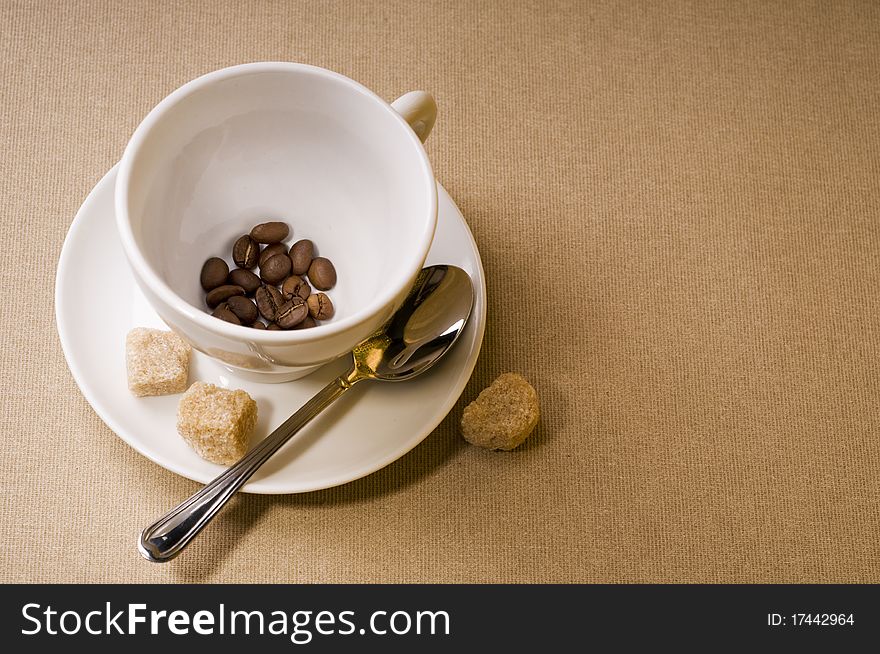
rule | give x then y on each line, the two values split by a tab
170	534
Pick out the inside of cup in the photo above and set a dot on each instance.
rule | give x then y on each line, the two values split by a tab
292	145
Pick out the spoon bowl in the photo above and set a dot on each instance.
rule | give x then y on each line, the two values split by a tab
422	330
415	338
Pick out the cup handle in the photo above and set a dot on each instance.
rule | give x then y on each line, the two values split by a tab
419	110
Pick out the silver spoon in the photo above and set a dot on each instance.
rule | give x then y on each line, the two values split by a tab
416	337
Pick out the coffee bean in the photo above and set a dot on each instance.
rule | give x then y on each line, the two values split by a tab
244	308
296	269
301	255
275	269
320	306
223	293
224	313
270	232
291	313
246	279
296	285
271	251
214	272
322	274
307	323
245	252
269	299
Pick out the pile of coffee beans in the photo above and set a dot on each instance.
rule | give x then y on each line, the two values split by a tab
282	287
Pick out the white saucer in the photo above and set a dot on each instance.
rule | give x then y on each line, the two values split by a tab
97	303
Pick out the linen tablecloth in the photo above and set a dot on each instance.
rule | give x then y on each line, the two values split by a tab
678	209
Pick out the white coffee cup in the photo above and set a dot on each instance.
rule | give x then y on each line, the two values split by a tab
288	142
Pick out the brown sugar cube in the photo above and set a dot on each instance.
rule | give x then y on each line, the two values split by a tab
216	422
157	362
503	415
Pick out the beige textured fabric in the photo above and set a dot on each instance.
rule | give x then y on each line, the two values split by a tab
678	209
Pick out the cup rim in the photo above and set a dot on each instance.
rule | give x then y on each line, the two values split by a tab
240	332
